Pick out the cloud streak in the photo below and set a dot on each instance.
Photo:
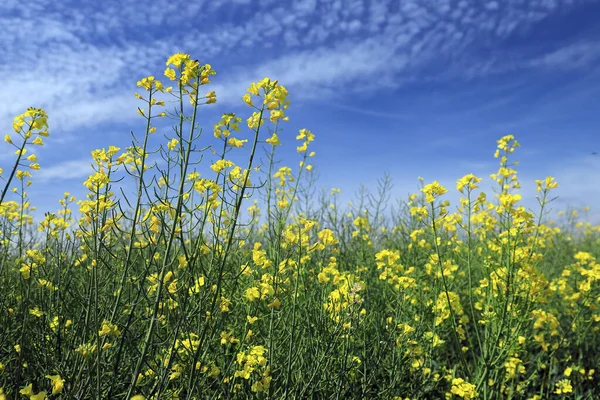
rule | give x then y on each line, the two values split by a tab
74	169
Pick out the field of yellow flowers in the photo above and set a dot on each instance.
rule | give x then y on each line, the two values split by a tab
234	285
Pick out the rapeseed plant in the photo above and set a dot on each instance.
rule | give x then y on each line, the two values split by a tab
173	292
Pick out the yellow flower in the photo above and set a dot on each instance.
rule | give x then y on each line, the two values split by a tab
275	304
433	190
109	329
170	73
57	383
178	59
302	149
212	97
7	139
469	181
273	140
36	312
225	303
138	397
548	183
563	387
38	141
327	237
171	145
305	134
27	390
206	72
234	142
182	261
275	115
247	99
220	165
146	83
197	285
252	293
253	89
463	389
255	120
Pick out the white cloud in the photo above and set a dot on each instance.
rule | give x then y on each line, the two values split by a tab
304	7
575	55
75	169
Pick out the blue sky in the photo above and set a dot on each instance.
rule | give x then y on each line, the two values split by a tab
412	88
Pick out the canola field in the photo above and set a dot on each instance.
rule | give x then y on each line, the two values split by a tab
242	283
